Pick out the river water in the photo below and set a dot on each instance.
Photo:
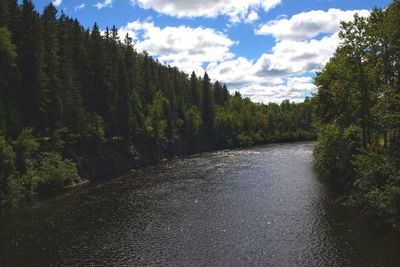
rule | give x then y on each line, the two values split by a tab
261	206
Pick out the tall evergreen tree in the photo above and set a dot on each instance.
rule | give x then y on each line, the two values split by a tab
8	76
31	63
207	106
52	85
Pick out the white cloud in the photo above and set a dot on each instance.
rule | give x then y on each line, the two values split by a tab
192	48
236	10
293	57
283	73
56	3
287	59
299	51
79	7
307	25
295	89
239	72
105	3
184	47
270	4
302	83
252	16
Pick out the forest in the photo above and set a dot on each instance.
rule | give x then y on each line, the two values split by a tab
357	113
80	103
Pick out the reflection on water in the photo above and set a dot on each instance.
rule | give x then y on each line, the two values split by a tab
258	206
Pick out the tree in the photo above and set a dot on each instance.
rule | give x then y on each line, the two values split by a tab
7	167
8	78
193	122
67	91
194	91
31	55
52	85
207	106
357	112
156	123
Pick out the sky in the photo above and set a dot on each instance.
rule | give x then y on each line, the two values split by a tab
268	50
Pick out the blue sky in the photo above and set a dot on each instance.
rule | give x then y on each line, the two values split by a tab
268	50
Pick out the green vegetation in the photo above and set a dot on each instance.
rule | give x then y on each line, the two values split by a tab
71	97
25	170
357	113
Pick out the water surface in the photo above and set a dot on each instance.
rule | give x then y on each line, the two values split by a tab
260	206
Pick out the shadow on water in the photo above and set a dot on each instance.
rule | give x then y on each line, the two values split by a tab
259	206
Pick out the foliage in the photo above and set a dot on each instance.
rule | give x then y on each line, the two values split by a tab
193	122
7	167
25	147
94	134
53	173
356	112
26	142
336	149
40	174
8	56
156	123
378	182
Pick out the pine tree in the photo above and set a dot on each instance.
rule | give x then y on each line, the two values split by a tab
52	85
33	78
7	82
207	106
194	90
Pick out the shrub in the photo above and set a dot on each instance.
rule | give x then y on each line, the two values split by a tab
335	151
377	182
53	173
94	133
25	146
7	167
193	121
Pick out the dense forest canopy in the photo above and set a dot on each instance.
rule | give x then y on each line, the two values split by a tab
70	93
357	112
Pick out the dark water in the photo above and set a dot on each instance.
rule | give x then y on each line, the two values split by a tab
261	206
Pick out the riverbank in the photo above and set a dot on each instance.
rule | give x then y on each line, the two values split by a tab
110	162
347	197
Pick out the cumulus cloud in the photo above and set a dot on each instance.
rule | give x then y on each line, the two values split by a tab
287	58
79	7
295	89
236	10
56	3
105	3
252	16
269	4
239	72
303	44
293	57
308	25
185	47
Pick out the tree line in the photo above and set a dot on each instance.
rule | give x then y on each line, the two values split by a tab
70	93
357	112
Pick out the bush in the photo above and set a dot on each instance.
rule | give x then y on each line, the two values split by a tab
94	133
7	167
156	122
335	151
53	173
26	142
25	146
377	182
193	122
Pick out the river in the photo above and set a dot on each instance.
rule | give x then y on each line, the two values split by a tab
261	206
